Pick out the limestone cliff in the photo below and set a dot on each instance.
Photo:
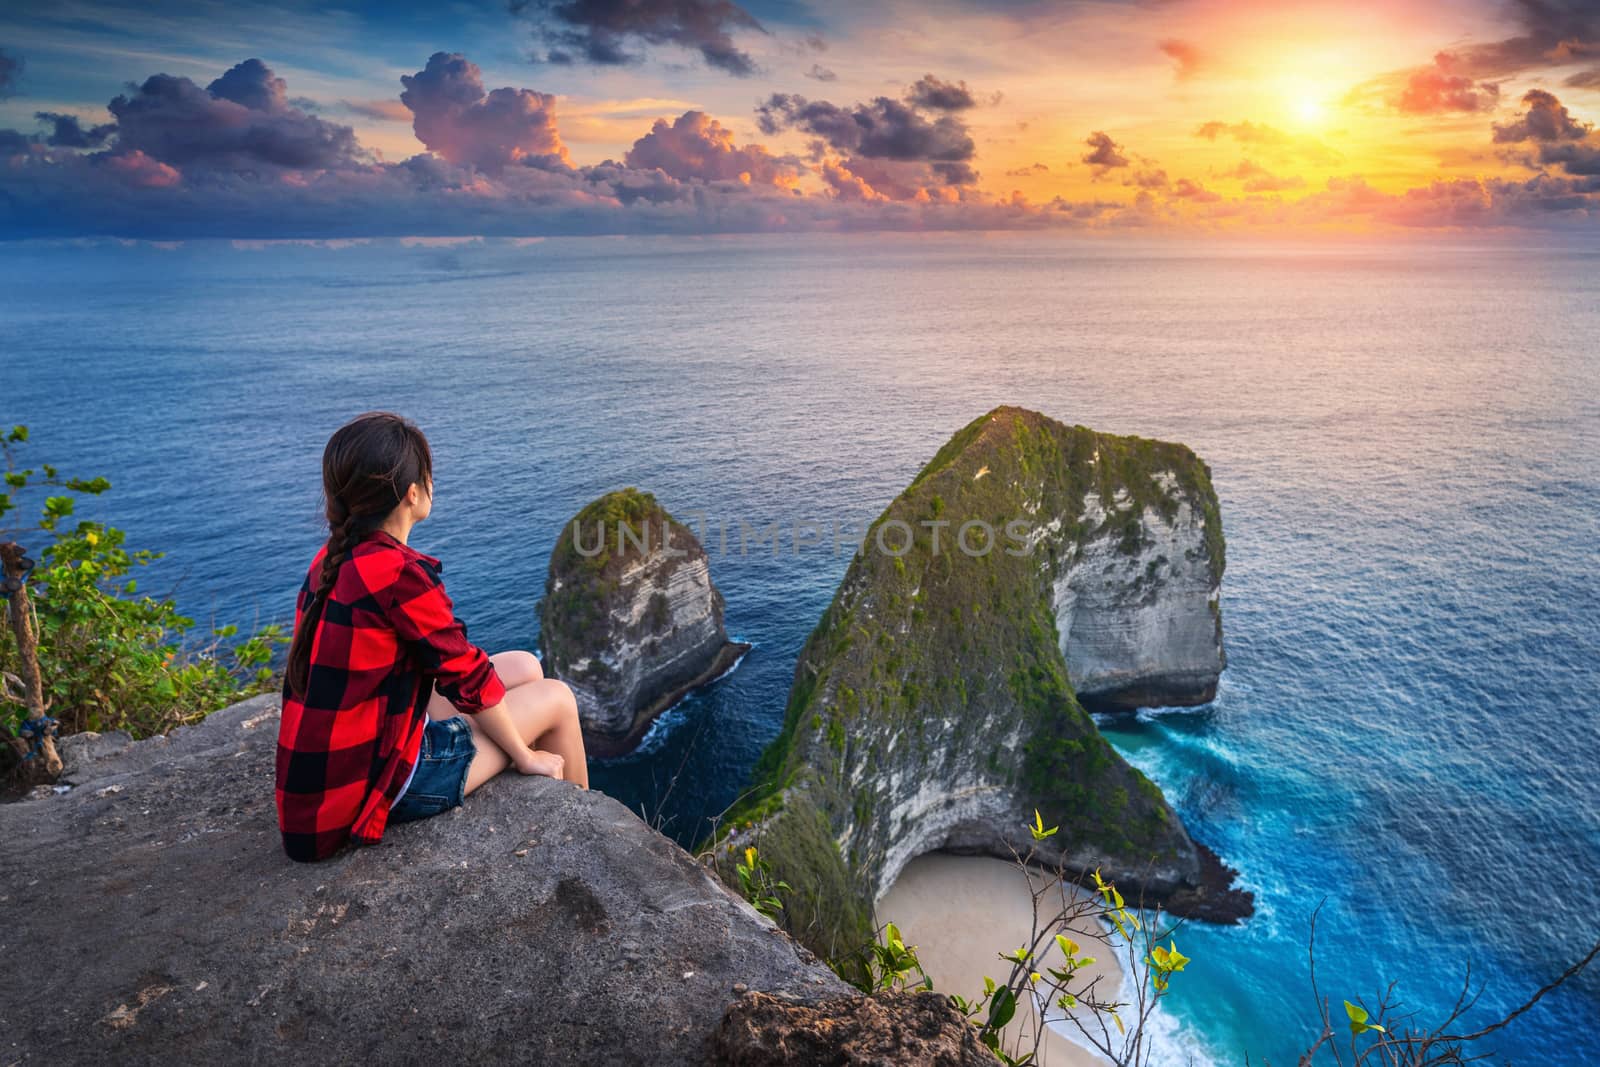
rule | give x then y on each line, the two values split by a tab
934	705
152	918
1136	608
630	619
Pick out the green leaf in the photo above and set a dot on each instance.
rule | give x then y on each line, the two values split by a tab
1002	1008
1037	829
1358	1019
93	486
1176	959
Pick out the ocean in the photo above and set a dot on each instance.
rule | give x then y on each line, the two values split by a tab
1404	435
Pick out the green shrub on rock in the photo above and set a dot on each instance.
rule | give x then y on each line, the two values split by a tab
111	657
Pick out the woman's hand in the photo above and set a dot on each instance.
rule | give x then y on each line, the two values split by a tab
538	761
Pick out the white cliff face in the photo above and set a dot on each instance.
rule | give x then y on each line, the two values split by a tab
928	813
965	807
660	633
649	642
1140	628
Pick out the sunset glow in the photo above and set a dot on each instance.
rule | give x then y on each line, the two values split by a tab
1202	114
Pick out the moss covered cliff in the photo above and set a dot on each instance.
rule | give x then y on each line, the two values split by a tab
932	705
630	618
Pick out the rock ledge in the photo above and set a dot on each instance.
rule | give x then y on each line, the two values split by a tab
151	917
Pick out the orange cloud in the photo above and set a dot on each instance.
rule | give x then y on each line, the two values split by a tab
1433	90
1186	56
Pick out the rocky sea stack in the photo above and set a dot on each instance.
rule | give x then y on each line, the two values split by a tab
630	619
936	706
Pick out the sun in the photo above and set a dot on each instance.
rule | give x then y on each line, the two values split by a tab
1309	110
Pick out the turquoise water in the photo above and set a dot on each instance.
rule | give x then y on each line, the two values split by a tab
1404	438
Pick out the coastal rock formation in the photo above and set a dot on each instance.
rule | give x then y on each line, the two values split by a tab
151	917
1136	608
912	1026
630	619
934	705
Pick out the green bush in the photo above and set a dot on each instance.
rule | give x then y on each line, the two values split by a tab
110	657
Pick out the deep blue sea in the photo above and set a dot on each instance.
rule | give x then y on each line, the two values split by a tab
1405	437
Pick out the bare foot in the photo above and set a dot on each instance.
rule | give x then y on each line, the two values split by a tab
538	761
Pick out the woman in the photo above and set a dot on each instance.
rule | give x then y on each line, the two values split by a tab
380	667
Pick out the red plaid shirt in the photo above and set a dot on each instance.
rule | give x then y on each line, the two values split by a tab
387	637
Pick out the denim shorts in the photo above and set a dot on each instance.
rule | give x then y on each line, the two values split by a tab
440	782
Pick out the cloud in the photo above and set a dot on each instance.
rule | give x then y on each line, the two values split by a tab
1562	140
455	118
846	185
1272	183
1546	119
10	70
186	162
881	129
820	73
252	84
1105	154
1466	78
890	145
385	110
1461	202
1149	179
1185	189
1575	158
1257	179
912	180
139	171
1187	57
68	132
1434	90
1269	139
934	94
698	146
1551	32
240	121
494	166
13	143
1032	170
601	31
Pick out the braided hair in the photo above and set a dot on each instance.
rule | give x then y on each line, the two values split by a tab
368	466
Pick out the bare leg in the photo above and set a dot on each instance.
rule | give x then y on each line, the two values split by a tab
546	714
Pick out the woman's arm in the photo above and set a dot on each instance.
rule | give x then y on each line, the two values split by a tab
424	616
499	727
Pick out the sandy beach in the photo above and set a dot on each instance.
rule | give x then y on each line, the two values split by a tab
960	912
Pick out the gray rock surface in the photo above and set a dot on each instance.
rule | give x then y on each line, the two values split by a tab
1137	611
630	619
912	1026
151	917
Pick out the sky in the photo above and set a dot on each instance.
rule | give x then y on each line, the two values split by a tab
277	120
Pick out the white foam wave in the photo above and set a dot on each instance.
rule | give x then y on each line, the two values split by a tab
1169	1041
